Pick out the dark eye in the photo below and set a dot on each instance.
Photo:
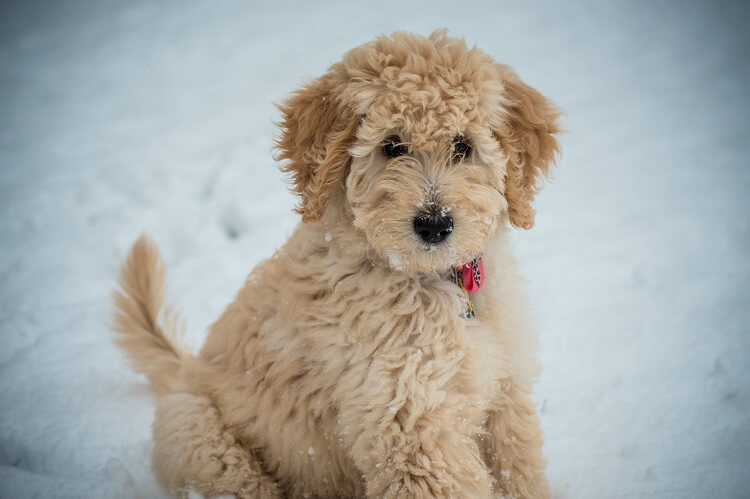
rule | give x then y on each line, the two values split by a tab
461	149
393	147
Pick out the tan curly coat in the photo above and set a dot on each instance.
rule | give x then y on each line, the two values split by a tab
344	368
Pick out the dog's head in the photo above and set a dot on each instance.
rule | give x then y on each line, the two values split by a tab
426	146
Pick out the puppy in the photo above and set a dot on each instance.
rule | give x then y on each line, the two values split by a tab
386	350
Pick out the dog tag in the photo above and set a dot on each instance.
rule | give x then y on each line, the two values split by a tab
472	275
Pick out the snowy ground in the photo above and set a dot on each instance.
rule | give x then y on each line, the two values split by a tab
118	117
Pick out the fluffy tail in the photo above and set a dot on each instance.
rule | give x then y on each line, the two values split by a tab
148	341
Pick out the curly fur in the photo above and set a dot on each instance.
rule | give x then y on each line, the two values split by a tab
343	367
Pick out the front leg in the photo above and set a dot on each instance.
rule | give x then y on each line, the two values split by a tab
409	429
513	448
193	450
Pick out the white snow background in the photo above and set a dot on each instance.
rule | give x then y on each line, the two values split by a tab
120	117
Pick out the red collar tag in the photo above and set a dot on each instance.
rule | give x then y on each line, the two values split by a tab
471	275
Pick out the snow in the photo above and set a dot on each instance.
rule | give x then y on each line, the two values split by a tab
394	259
119	117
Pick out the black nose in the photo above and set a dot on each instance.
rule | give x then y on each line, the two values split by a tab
433	228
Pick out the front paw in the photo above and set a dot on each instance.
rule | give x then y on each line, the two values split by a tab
258	487
423	479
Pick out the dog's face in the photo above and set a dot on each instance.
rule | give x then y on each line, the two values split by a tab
422	185
429	147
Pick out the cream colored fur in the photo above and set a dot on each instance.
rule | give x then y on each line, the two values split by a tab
343	368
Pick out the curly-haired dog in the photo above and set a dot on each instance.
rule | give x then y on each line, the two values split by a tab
386	349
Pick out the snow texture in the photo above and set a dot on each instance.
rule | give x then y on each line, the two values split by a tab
120	117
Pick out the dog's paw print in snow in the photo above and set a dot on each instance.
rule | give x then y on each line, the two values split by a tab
234	222
718	368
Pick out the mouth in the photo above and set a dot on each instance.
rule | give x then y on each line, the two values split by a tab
435	245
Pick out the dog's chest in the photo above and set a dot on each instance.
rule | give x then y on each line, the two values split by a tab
429	322
485	357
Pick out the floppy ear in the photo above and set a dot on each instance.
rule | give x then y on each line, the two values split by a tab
316	133
529	143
